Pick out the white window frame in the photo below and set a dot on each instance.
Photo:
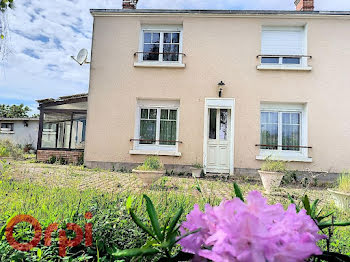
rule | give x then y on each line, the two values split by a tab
287	155
7	130
157	148
160	29
303	65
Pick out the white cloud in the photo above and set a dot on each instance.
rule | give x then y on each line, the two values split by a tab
44	34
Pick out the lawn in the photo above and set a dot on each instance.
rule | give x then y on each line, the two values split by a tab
62	194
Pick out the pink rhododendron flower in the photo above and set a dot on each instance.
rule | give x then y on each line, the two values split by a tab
252	231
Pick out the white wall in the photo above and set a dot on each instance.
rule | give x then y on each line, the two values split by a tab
22	135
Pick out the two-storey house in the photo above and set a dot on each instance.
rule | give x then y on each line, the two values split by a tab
222	88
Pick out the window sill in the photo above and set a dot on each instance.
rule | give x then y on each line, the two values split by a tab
7	132
157	64
286	158
284	67
154	152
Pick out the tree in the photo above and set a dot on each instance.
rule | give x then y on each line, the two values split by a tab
5	4
14	111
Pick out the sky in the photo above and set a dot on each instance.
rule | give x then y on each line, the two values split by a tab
44	34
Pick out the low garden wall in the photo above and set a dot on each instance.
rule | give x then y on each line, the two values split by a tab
68	156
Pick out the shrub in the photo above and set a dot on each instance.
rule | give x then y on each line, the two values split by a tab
274	166
9	149
344	182
197	165
52	160
80	161
151	163
62	161
27	148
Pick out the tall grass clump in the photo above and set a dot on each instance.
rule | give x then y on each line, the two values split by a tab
274	166
151	163
9	149
344	182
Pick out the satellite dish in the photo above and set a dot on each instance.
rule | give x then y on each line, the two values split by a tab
81	57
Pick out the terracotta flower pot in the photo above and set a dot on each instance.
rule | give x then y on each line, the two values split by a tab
149	177
270	180
196	172
341	199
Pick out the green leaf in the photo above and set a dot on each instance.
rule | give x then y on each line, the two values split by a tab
332	257
3	229
306	203
39	253
238	191
187	234
324	225
129	202
153	217
135	252
314	207
174	221
165	227
297	208
323	217
140	224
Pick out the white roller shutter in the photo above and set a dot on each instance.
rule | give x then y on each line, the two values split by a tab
282	41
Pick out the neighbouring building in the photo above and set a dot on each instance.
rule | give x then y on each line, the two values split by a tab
21	131
62	127
222	88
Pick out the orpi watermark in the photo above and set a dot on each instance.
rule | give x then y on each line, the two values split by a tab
63	241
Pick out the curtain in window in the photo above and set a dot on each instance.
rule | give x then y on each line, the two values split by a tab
167	135
269	130
291	131
148	126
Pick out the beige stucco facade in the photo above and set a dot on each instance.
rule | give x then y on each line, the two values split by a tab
219	47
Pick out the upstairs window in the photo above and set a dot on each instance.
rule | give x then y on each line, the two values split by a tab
161	45
283	46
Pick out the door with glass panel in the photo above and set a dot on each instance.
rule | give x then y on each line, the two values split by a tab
219	129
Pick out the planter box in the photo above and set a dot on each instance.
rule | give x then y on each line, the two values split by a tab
196	172
342	200
149	177
270	180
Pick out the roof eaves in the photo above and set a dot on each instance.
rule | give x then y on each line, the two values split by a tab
213	12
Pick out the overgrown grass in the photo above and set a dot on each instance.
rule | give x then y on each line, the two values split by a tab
112	226
344	182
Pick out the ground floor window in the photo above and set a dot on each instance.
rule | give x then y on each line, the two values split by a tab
63	130
280	128
150	130
7	127
157	125
283	129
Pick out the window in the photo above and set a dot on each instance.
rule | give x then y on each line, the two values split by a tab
149	133
283	131
7	128
157	126
162	45
280	130
283	46
63	130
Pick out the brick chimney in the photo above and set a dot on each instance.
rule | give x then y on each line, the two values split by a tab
129	4
304	5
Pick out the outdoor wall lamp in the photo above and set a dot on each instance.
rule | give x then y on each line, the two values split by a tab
221	87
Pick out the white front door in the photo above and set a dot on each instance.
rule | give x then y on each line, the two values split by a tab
218	137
